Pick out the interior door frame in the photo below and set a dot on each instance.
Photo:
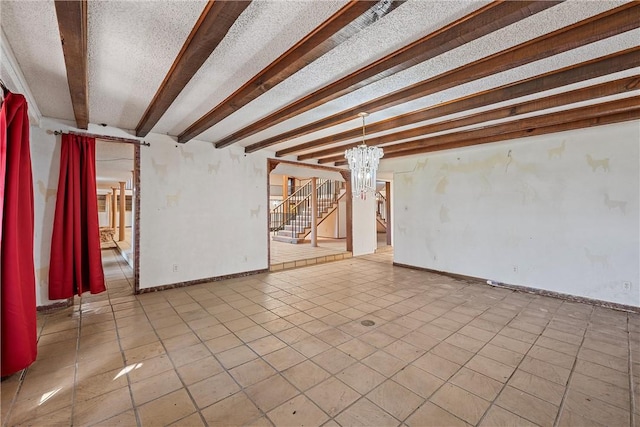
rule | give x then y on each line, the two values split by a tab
346	175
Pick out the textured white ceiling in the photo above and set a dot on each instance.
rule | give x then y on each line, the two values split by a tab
575	56
239	56
409	22
31	29
527	29
132	45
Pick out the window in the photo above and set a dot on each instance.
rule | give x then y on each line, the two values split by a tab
102	203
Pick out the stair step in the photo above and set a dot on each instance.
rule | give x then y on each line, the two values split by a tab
287	239
291	233
297	226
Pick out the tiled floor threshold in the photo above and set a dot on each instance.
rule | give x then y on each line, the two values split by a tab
292	348
309	261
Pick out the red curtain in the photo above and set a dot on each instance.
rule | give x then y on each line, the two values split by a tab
3	157
18	298
76	262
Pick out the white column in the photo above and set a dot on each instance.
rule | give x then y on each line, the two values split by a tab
114	208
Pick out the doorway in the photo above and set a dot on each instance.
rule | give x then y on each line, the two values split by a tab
117	183
383	215
290	238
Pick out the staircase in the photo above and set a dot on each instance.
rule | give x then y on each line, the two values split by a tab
291	220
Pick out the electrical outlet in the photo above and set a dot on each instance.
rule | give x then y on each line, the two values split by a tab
515	268
175	268
626	285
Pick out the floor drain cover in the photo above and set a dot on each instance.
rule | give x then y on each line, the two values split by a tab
368	322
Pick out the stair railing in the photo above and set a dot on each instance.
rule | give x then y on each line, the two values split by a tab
327	195
302	209
286	211
294	213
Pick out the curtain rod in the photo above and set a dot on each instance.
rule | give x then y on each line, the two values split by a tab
105	137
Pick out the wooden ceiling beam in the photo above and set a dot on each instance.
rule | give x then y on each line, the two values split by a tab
543	130
72	24
481	22
350	19
578	95
616	21
598	67
591	111
212	26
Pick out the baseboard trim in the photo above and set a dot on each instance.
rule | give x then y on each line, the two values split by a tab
55	306
200	281
529	290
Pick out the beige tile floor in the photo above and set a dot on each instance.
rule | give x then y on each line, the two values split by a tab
287	255
288	348
282	253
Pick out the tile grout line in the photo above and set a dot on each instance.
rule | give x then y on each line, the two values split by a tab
21	379
404	421
175	369
5	422
278	372
390	378
335	376
76	362
330	294
515	369
300	392
573	368
631	382
119	261
475	353
226	370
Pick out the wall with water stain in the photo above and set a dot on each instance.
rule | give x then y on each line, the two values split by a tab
557	212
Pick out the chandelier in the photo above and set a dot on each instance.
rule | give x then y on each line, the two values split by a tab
363	163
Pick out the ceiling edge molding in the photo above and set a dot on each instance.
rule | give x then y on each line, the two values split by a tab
16	80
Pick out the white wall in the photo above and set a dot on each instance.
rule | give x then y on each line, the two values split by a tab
335	225
364	225
202	209
556	212
45	166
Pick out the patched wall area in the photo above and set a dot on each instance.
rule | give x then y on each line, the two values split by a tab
556	212
203	212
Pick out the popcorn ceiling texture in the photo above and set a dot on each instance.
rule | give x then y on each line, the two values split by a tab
260	35
495	42
132	45
35	44
409	22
